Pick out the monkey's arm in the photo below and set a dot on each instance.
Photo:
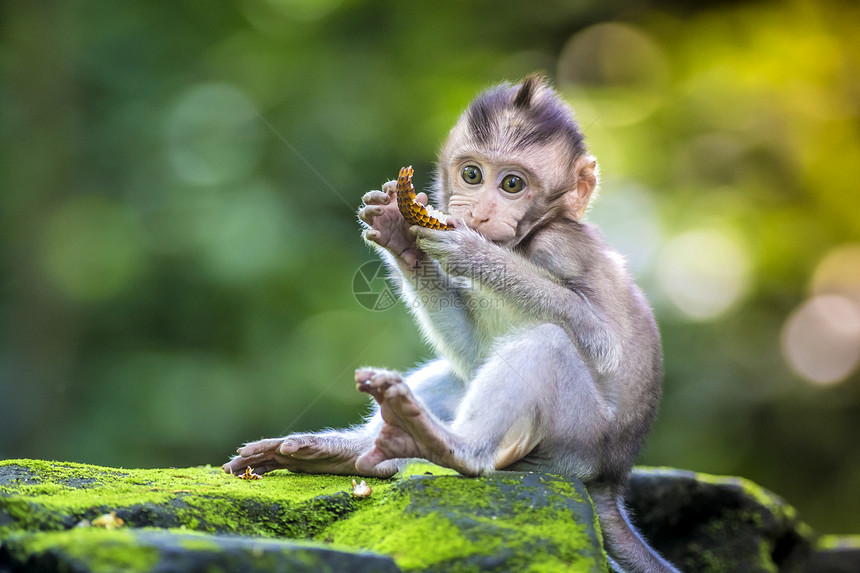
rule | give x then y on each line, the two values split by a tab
535	290
439	306
438	302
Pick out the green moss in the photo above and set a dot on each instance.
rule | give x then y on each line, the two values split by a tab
100	549
441	521
414	541
707	560
752	489
411	548
453	491
452	523
839	542
55	496
198	544
199	498
414	468
54	477
765	560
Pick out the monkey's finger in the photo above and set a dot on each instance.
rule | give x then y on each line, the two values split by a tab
376	198
422	198
235	466
373	236
263	468
390	188
258	448
294	443
315	453
369	212
241	462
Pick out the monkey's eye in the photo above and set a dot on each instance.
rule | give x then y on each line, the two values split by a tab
472	175
512	184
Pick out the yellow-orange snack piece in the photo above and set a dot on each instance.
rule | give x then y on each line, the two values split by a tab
249	474
414	212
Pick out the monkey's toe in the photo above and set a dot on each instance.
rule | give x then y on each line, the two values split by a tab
365	463
376	382
364	374
399	398
386	379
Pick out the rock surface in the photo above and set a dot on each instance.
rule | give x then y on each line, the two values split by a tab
707	523
199	519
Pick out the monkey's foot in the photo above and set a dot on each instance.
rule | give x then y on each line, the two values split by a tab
409	430
305	453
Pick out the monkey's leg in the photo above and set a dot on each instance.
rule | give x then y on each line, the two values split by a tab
335	451
525	394
409	429
432	296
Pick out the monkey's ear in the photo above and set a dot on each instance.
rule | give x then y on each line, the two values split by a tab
585	168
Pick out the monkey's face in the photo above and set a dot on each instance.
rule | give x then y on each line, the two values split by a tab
490	197
515	158
502	193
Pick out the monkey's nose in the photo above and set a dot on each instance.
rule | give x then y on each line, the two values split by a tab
478	218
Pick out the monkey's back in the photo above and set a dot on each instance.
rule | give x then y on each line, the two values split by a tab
629	376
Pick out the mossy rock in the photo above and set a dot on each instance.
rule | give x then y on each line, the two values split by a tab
429	519
717	524
200	519
835	554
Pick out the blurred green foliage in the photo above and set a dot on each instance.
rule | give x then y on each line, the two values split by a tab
178	238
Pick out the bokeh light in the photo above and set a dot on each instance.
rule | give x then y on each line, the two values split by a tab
704	273
839	272
821	339
619	69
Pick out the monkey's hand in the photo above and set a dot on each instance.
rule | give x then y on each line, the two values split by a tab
457	250
386	227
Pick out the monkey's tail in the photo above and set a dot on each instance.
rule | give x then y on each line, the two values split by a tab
628	551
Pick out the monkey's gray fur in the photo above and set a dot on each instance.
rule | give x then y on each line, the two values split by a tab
550	358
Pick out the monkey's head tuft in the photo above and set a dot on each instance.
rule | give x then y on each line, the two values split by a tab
528	86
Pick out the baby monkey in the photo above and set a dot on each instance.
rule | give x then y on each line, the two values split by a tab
549	355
